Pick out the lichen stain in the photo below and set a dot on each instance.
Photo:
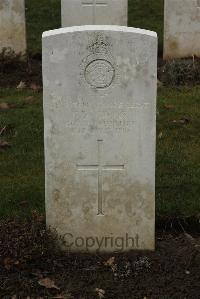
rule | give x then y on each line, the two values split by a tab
173	45
3	4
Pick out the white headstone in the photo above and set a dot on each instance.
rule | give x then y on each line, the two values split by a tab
12	26
182	28
94	12
100	124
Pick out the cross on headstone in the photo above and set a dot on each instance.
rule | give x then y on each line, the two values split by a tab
95	4
100	167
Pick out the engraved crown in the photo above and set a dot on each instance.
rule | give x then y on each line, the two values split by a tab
99	46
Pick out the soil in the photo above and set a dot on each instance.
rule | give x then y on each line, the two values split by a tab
13	71
31	266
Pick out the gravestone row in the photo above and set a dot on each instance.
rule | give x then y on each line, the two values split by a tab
181	22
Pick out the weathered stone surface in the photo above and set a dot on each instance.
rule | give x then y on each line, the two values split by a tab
182	28
100	123
94	12
12	26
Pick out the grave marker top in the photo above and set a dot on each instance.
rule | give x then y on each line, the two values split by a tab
94	12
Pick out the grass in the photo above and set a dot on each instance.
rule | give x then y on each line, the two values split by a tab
46	14
178	156
22	174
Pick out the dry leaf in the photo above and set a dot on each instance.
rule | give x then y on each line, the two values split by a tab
21	85
8	262
47	283
160	135
187	272
2	130
4	106
183	121
100	292
110	261
4	144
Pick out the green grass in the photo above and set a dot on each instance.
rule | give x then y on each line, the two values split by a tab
178	155
22	166
147	14
42	15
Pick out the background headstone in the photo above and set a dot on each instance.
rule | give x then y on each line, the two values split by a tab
12	25
182	28
94	12
99	114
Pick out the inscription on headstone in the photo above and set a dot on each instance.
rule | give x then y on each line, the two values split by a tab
94	12
99	115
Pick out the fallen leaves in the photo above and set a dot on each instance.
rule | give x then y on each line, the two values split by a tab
9	263
4	144
34	86
184	121
21	85
47	283
100	292
187	272
4	106
8	129
110	262
2	130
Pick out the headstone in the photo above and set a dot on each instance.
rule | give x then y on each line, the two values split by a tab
182	28
94	12
12	26
99	114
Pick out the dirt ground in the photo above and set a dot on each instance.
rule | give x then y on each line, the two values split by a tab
13	71
31	266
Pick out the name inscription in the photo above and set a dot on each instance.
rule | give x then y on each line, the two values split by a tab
118	118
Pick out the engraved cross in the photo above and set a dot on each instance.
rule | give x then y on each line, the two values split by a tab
100	167
94	4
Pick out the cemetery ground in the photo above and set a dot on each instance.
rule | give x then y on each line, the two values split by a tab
31	265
